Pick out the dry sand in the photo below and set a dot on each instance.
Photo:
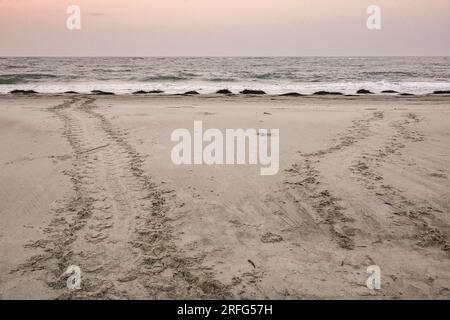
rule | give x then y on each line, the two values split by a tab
88	181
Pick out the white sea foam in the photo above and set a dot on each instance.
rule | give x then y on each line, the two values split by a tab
207	88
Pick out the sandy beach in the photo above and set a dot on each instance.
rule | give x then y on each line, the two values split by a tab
88	180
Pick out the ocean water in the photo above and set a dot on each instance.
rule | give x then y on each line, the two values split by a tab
418	75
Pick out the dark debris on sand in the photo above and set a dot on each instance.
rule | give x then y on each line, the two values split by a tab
291	94
191	93
327	93
224	91
148	92
247	91
442	92
102	93
23	92
364	91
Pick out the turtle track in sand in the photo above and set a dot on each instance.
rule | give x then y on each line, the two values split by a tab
116	227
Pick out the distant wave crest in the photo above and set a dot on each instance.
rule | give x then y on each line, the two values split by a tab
164	78
24	78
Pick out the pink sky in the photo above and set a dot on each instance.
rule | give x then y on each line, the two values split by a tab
224	27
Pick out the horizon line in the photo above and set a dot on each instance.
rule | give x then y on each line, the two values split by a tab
222	56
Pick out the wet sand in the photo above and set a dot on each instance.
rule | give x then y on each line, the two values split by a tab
88	181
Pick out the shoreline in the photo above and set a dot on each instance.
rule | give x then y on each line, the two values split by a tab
248	93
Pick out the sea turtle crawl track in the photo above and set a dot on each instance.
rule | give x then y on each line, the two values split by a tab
357	164
305	182
428	229
116	226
